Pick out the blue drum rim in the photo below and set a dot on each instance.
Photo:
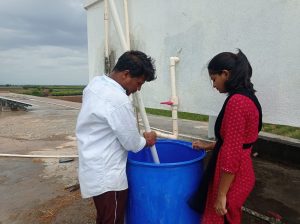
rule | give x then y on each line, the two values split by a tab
202	154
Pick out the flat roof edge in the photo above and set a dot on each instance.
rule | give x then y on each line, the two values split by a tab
89	3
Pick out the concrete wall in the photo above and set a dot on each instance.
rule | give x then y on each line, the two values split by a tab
267	31
278	149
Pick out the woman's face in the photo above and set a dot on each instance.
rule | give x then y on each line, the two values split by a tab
219	80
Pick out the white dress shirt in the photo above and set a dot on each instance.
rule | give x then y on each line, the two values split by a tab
106	130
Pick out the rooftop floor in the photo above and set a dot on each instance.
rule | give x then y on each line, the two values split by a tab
33	190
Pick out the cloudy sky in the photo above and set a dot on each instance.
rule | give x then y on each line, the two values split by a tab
43	42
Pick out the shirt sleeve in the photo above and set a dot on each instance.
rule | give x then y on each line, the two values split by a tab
233	128
123	123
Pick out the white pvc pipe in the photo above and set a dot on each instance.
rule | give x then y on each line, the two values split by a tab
125	2
125	47
106	28
135	103
174	98
146	125
117	24
173	61
126	23
164	135
161	133
38	156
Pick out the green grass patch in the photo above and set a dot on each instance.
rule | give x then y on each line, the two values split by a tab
181	115
165	113
51	90
70	92
283	130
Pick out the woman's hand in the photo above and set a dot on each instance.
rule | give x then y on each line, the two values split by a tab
198	145
220	205
203	145
225	182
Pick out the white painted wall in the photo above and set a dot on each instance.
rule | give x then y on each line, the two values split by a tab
268	32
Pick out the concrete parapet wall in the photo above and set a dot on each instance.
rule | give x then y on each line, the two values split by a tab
278	149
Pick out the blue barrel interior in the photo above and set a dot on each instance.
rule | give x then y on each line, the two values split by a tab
158	193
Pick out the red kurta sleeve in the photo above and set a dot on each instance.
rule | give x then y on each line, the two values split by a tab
232	132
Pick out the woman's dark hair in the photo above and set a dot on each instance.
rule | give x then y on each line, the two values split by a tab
138	64
239	68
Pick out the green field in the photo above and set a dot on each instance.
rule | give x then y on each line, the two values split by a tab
40	90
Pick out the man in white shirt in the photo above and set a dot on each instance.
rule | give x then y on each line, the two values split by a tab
106	130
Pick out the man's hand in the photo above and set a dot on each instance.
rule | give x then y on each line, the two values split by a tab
150	138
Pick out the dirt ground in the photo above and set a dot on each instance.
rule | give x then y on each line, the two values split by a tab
77	99
35	190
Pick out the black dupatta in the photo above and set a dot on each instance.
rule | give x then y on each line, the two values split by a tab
198	200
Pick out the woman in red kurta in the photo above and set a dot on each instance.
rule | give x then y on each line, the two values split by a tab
230	173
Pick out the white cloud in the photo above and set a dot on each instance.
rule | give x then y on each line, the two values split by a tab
43	42
43	65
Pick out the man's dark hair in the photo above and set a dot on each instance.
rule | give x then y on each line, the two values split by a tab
138	64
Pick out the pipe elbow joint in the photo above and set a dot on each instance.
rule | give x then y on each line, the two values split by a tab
174	60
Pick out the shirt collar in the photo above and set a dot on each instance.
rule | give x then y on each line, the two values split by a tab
113	82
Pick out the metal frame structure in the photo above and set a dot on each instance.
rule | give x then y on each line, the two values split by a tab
10	104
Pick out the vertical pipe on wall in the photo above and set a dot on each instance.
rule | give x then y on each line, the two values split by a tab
118	25
125	47
127	35
126	23
106	39
174	97
173	102
106	24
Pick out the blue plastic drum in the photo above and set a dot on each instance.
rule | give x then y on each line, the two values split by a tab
158	193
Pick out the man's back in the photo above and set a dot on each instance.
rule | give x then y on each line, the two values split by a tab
105	129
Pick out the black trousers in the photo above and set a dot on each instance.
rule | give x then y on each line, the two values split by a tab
111	207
